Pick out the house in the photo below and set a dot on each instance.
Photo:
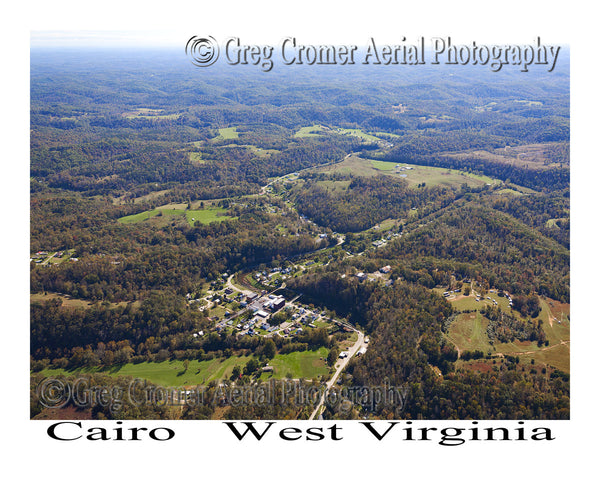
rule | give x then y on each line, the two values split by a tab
386	269
362	351
361	276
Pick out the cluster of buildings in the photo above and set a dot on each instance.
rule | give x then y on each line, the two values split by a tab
262	308
267	275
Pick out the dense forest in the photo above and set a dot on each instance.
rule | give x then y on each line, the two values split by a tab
129	157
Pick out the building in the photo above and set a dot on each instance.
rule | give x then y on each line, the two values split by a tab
277	304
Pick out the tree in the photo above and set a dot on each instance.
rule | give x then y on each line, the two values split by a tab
269	349
332	356
251	366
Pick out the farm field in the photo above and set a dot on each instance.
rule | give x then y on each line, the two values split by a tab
468	333
357	132
69	302
535	155
311	131
168	373
204	216
151	113
432	175
257	151
196	157
414	175
307	364
172	373
228	133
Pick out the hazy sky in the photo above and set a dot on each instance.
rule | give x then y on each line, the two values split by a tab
156	23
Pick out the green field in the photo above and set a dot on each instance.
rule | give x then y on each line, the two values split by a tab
258	151
431	175
172	373
333	185
307	364
384	166
228	133
167	373
204	216
151	113
207	215
138	217
468	332
196	157
312	131
417	174
357	132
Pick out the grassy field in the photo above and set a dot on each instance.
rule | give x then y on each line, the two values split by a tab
308	364
351	165
167	373
257	151
196	157
462	303
535	155
151	113
204	216
172	373
229	133
143	198
312	131
138	217
508	191
468	332
432	175
415	175
68	302
207	215
386	225
333	185
357	132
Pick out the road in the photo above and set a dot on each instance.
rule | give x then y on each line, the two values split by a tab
339	366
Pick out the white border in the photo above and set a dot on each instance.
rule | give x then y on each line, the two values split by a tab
207	448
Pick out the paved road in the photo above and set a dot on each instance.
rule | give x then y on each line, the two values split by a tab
339	366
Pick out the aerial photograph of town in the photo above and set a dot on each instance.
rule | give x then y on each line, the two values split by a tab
290	232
